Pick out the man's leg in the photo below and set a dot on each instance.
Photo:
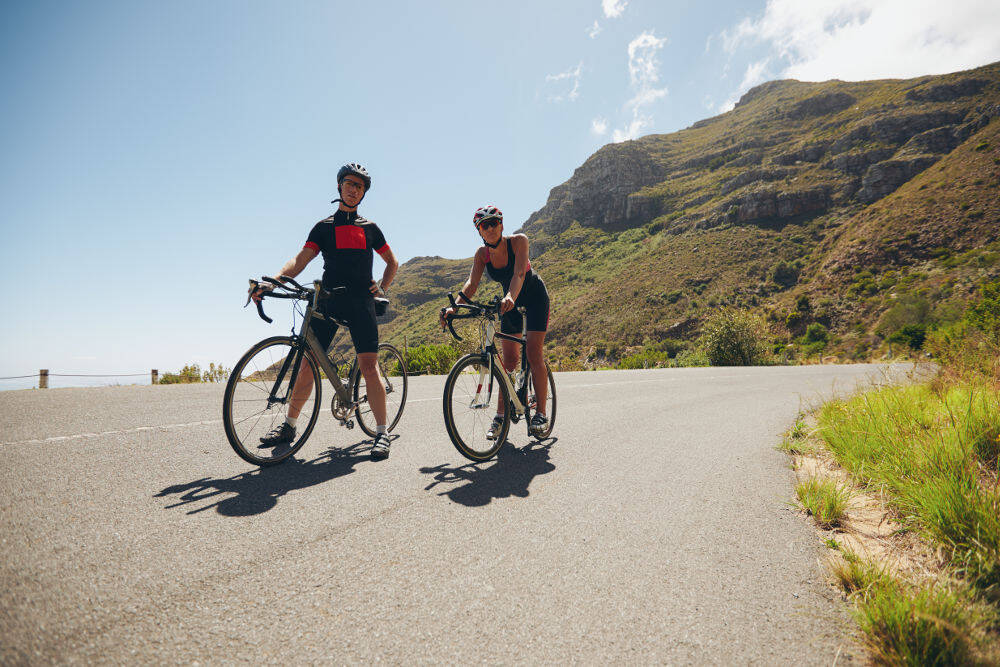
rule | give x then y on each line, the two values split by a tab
300	392
374	385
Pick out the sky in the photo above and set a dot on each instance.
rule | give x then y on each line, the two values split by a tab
156	155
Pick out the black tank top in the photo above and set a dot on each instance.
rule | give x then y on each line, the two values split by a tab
505	274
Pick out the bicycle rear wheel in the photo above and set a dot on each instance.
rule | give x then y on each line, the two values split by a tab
257	397
470	403
392	369
550	409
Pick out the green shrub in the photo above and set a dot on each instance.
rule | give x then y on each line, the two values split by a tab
907	310
432	359
735	338
785	273
985	313
689	358
190	373
912	335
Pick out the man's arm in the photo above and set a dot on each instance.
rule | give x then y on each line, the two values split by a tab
297	264
391	266
292	268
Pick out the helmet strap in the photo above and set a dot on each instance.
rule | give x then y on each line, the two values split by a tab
493	245
338	199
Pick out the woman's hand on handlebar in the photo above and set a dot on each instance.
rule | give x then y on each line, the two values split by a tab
507	304
445	315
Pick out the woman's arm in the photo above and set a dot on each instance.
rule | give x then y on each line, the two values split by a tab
472	284
520	245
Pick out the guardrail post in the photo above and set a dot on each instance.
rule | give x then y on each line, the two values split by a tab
43	378
154	376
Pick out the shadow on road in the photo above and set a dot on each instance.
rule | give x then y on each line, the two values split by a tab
509	475
258	491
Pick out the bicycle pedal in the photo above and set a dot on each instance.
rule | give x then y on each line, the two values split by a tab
349	423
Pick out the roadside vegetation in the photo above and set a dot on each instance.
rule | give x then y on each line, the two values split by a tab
928	457
191	373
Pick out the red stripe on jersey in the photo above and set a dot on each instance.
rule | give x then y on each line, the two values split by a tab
384	249
311	246
350	237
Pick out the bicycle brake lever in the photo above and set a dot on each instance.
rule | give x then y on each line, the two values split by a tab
288	279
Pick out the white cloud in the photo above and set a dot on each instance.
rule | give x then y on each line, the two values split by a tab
871	39
613	8
599	126
594	30
570	76
643	70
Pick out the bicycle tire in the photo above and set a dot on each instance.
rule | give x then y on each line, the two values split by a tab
246	397
467	425
389	361
550	402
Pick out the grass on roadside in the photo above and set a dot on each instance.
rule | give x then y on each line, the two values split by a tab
904	624
798	442
825	500
934	453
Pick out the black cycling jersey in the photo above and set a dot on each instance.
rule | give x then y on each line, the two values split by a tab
505	274
533	295
347	241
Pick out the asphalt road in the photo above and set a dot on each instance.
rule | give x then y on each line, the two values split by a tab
653	527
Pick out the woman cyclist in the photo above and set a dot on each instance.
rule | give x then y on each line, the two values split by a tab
505	260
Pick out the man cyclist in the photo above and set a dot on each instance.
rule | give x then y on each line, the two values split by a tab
348	243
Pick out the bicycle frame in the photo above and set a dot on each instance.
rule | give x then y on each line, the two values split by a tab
307	339
489	349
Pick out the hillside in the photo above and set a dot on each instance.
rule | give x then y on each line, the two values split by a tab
862	206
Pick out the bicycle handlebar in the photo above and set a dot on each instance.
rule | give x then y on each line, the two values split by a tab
297	292
476	310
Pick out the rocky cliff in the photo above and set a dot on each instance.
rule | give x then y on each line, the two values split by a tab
790	194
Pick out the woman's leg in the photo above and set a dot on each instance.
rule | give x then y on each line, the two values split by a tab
510	357
539	376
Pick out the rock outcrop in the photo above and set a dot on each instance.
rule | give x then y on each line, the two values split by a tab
597	195
857	162
812	152
894	129
885	177
768	203
821	105
753	176
946	92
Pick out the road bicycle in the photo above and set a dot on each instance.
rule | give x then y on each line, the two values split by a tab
260	386
479	379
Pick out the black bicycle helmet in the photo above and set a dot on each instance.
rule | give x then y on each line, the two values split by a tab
357	170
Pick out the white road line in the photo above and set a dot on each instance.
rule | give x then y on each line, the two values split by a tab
137	429
212	422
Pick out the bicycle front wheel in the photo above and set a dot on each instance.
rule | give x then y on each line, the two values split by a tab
470	403
392	370
550	404
258	395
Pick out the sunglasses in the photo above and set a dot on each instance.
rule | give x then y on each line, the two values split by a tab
489	223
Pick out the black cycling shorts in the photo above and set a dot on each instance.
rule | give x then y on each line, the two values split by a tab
358	312
535	300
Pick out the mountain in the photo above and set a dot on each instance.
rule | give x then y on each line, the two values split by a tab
859	206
